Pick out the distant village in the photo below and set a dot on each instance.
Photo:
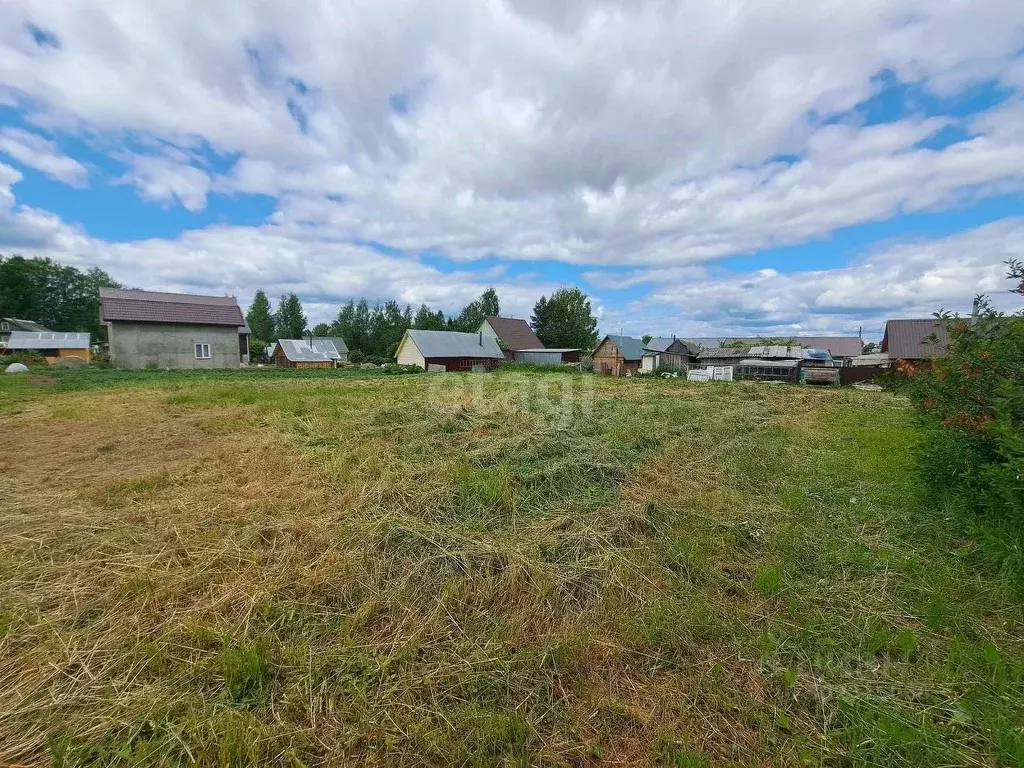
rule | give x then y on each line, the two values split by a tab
147	329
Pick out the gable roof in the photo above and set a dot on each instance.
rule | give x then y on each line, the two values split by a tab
333	346
16	323
838	346
906	339
514	333
662	344
299	351
629	348
47	340
454	344
118	304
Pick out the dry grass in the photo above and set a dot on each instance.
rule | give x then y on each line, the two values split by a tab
307	571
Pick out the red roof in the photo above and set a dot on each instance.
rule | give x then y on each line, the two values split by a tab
118	304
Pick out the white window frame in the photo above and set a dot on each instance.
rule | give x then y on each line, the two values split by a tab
200	348
5	326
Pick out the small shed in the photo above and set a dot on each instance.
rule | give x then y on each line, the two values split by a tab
664	352
449	350
618	355
52	345
545	356
298	353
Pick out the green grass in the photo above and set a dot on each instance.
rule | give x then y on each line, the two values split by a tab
317	568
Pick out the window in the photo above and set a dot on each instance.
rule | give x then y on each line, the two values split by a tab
5	326
202	351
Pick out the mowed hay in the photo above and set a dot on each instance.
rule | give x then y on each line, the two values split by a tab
462	570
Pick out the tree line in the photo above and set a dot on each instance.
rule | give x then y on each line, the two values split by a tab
56	296
65	298
565	319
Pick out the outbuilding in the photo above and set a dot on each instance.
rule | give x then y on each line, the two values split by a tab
449	350
53	346
618	355
302	353
664	352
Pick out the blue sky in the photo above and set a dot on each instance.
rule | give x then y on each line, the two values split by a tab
696	168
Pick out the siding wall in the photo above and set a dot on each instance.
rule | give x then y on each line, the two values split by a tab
169	345
408	354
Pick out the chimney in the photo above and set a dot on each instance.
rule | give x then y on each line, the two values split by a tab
481	337
975	309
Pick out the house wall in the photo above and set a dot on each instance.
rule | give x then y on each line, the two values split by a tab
607	358
171	345
409	354
452	364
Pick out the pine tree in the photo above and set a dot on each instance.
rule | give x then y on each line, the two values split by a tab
289	320
259	318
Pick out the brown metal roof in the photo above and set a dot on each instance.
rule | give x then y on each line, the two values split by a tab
838	346
907	339
514	333
151	307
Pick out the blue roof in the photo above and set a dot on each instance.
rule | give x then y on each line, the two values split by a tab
455	344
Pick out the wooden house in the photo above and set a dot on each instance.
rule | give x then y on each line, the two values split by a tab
618	355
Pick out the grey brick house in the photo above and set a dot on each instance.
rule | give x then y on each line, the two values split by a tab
173	330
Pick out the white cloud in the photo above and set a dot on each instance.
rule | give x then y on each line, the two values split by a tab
36	152
163	179
653	135
897	279
605	132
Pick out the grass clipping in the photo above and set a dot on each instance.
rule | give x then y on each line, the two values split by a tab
388	571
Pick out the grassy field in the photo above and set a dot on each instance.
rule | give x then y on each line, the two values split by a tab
285	569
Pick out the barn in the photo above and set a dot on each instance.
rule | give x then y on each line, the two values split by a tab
449	350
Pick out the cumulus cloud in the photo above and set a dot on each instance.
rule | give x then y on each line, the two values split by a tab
34	151
602	132
652	135
163	179
897	279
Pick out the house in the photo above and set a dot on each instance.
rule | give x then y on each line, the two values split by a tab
53	346
311	353
662	352
618	355
511	333
173	330
10	324
449	350
910	339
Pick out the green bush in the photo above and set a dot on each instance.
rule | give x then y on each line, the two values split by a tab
972	406
356	356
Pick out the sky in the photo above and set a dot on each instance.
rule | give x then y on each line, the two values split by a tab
697	168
